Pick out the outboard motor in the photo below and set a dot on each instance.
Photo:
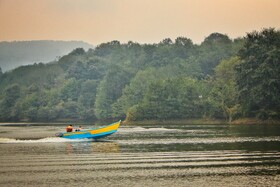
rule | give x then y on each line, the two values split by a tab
59	134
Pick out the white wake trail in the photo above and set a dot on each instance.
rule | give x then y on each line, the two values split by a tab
43	140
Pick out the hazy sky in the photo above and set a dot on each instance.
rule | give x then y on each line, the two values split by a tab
143	21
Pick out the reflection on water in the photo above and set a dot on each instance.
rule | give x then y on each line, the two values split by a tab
92	147
170	155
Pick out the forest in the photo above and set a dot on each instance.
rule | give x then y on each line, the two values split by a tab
221	78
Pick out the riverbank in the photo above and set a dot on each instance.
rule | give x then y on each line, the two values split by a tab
206	121
253	121
181	121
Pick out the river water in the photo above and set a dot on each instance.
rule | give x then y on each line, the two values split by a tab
158	155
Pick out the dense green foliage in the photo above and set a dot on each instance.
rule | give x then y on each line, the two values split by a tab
221	78
258	77
224	89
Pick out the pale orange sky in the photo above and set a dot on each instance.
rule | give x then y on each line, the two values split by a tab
143	21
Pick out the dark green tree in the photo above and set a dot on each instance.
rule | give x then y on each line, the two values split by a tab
184	47
258	77
109	90
8	103
213	49
78	51
71	90
87	99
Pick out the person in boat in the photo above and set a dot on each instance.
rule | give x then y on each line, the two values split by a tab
69	128
79	128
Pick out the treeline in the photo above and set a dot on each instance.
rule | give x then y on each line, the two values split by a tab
220	78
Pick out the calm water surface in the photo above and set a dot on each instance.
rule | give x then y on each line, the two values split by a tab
158	155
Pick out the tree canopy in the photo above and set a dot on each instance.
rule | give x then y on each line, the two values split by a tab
258	76
220	78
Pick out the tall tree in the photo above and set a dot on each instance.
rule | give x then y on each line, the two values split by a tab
225	91
259	74
213	49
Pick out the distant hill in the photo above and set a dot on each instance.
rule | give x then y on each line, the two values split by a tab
18	53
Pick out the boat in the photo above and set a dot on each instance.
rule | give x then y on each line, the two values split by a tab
95	133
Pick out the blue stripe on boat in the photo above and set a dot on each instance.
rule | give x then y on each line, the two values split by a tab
89	135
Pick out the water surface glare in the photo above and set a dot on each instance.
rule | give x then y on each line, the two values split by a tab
159	155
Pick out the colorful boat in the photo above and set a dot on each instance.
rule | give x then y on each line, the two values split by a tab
96	133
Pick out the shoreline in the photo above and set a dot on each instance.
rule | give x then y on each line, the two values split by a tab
206	121
176	122
242	121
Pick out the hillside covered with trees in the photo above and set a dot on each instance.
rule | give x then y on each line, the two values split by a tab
220	78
